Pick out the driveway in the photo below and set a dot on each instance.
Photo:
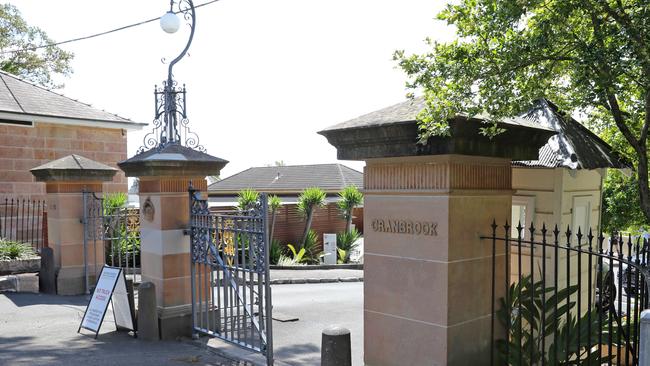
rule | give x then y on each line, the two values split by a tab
38	329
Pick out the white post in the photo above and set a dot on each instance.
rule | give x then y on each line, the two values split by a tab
644	342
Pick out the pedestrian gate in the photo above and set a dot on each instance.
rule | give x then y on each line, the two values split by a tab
107	221
231	294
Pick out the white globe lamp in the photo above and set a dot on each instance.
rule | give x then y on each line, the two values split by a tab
170	22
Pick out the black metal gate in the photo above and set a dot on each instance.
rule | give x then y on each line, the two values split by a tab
231	293
566	298
118	228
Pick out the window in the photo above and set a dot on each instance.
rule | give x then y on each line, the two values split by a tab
580	214
523	210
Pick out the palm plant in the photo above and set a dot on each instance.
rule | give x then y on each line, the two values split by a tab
247	198
309	199
350	197
274	205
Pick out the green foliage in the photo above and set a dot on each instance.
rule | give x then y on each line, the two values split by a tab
10	249
297	257
349	198
125	241
309	199
275	251
621	209
528	304
342	256
310	246
35	65
247	198
588	56
346	242
274	202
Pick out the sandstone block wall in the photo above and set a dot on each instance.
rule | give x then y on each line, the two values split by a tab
23	148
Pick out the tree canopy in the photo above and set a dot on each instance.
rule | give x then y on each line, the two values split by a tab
37	65
587	56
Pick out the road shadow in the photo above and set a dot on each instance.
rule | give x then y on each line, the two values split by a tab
298	354
21	299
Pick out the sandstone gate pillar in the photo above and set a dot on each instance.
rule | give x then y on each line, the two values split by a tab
165	175
428	275
65	181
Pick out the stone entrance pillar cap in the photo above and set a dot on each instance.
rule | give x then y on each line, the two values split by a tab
172	160
393	132
73	168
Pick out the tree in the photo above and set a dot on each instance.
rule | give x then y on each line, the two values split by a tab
589	56
308	200
349	198
247	198
274	205
30	62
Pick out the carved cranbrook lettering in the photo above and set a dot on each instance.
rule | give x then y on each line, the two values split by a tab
405	227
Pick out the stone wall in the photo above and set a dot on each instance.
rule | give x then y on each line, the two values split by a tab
23	148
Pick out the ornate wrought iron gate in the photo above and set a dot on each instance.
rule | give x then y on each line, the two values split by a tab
231	293
119	230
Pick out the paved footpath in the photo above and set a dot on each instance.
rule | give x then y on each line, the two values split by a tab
292	276
38	329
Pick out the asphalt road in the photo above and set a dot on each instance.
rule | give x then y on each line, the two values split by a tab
38	329
317	306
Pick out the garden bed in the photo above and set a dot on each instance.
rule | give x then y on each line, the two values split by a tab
18	258
320	266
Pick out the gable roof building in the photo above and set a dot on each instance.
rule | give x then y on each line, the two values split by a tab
289	180
38	125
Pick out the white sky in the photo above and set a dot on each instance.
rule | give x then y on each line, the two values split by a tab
263	76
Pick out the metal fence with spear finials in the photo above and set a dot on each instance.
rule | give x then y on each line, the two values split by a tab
24	221
570	298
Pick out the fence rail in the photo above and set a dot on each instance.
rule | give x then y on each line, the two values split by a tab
565	298
24	221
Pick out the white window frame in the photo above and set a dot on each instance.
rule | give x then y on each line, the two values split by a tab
584	201
529	203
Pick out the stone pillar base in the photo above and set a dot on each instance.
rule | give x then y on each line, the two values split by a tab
175	322
71	281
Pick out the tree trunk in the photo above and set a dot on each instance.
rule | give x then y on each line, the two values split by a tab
307	226
644	189
348	224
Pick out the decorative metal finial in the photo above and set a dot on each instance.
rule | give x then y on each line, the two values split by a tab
170	121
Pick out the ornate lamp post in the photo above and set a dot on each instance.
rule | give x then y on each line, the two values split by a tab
170	121
169	162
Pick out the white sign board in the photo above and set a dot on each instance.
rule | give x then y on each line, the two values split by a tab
110	285
329	247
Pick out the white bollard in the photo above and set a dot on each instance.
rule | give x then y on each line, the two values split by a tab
644	341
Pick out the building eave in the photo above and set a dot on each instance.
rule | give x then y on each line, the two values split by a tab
30	117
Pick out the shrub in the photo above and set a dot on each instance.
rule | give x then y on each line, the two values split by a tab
346	242
275	251
14	250
247	198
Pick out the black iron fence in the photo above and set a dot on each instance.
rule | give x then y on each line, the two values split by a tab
24	220
566	298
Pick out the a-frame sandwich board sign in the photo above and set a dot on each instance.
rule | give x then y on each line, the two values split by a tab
110	287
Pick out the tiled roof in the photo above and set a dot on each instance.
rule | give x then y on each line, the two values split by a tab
291	179
574	146
24	98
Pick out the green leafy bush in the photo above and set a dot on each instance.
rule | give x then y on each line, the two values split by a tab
275	251
297	257
529	303
311	244
346	242
247	198
14	250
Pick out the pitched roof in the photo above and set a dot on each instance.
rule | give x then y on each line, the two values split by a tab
291	179
21	99
574	146
407	112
